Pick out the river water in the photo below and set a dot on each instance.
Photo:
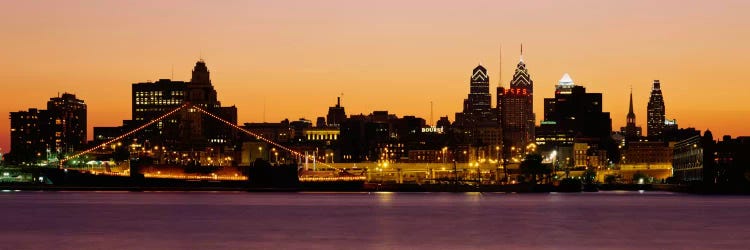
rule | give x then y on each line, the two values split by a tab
239	220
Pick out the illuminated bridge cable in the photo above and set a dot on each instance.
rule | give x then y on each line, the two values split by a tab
260	137
116	139
189	105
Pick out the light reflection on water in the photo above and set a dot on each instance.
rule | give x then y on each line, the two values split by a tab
232	220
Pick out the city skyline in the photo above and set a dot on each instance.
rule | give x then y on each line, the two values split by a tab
374	72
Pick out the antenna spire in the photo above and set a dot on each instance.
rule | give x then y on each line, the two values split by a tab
631	100
432	123
521	52
500	73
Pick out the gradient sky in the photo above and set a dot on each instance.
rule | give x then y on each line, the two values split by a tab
297	56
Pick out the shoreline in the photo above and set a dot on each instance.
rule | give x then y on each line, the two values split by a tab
370	187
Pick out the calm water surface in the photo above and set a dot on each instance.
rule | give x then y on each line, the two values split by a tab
226	220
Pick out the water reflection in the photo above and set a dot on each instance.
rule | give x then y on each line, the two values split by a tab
232	220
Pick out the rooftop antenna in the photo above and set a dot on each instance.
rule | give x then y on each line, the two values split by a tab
500	73
264	109
432	121
172	77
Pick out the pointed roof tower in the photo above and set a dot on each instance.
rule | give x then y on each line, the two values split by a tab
479	74
631	114
500	69
521	78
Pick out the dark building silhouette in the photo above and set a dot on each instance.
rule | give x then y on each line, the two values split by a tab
27	141
574	117
382	137
336	114
578	113
516	108
443	122
656	113
55	132
298	128
732	160
631	131
320	122
280	132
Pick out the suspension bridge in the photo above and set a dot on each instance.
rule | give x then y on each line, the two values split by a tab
326	172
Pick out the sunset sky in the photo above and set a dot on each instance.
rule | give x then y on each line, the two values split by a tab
298	56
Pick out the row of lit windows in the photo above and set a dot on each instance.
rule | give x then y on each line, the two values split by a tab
159	102
150	110
322	137
158	93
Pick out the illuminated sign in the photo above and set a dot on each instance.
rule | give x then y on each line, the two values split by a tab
517	91
432	130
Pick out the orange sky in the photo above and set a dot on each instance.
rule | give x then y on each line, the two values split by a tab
297	56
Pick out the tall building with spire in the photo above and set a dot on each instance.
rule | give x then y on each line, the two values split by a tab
631	131
516	108
656	112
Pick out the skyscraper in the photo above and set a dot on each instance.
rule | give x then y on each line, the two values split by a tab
516	108
655	110
477	110
478	102
631	131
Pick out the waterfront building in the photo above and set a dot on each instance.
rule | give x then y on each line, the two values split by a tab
49	134
732	160
648	157
27	141
692	159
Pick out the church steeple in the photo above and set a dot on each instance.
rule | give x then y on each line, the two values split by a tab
631	114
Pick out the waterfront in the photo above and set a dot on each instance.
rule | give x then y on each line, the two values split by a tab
240	220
